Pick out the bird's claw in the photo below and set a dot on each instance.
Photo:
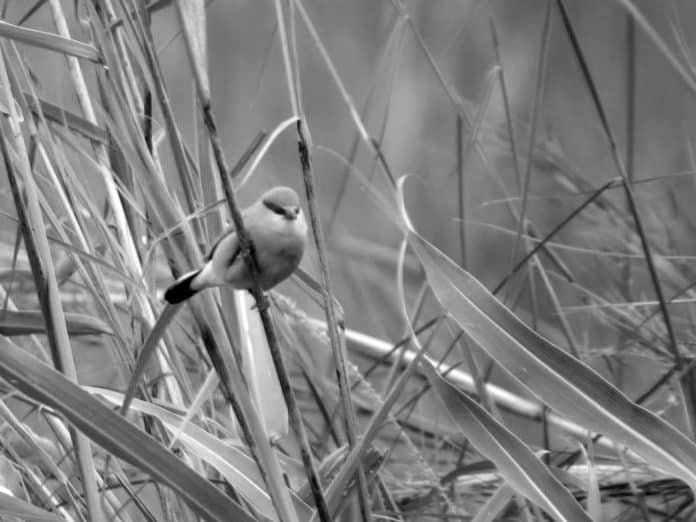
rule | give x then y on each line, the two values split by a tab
262	304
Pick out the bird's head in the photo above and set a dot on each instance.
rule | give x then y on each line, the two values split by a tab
284	202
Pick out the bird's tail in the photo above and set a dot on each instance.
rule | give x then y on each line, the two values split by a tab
181	289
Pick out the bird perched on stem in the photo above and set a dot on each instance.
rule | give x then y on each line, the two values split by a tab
278	231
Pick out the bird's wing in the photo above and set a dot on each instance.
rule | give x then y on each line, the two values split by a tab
217	242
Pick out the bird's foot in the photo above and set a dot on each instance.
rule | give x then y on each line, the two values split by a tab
262	304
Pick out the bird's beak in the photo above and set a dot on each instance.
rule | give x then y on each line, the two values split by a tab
292	212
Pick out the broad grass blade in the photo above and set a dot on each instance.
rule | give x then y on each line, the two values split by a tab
564	383
513	459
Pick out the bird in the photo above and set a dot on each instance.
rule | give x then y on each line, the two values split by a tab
277	228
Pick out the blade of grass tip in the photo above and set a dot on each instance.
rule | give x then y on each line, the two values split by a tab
589	81
262	150
248	153
535	110
149	346
211	190
38	251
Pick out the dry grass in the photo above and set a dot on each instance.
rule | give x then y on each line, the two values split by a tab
553	164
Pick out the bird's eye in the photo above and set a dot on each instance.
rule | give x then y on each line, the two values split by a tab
277	209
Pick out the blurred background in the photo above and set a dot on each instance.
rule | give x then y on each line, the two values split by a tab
382	52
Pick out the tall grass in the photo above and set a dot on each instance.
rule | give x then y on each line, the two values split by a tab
385	381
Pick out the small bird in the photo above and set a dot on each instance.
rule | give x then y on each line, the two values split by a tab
278	231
